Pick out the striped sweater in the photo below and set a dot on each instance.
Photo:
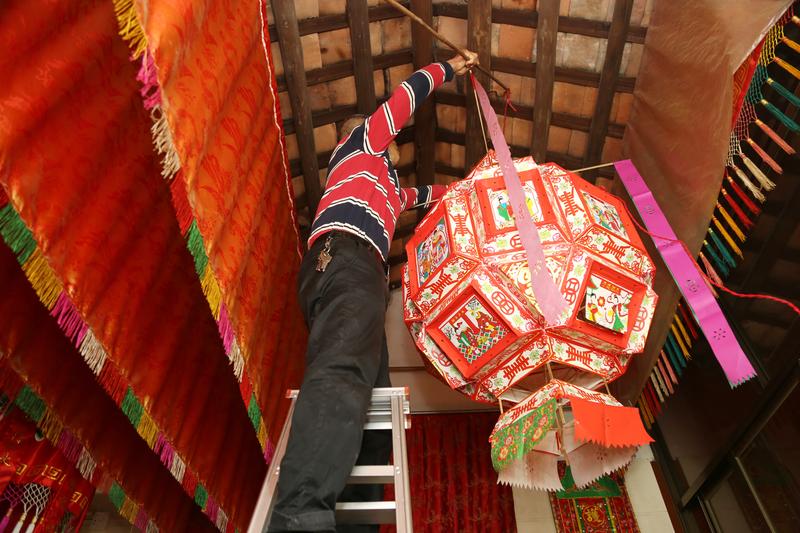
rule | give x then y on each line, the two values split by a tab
363	194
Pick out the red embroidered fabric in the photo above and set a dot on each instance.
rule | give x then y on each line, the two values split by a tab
52	366
78	165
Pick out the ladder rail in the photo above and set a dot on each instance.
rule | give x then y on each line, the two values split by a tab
260	519
402	490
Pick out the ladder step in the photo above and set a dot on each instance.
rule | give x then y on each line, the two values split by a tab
371	474
365	512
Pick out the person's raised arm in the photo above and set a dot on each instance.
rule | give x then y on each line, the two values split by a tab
384	124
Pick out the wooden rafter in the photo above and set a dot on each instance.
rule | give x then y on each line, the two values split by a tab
358	18
425	116
295	73
325	23
546	37
561	120
530	19
344	69
620	24
479	40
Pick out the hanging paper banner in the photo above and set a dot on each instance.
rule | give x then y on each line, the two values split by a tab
548	296
687	276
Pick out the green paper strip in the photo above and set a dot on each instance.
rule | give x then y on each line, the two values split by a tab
131	407
200	496
31	404
194	241
16	234
116	495
254	412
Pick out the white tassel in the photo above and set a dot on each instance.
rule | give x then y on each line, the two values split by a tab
762	178
31	526
178	468
749	184
20	522
222	521
93	352
162	138
86	465
237	360
151	527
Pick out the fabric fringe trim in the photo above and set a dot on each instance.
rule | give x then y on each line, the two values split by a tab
755	191
766	183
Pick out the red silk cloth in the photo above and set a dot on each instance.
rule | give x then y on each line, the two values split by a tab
77	162
453	483
219	94
52	366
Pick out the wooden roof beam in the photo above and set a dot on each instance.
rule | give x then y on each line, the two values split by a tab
295	73
326	23
620	23
546	40
425	116
479	40
530	19
358	18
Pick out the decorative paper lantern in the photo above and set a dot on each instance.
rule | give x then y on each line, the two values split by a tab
467	295
597	435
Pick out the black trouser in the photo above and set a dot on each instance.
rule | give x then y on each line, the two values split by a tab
346	357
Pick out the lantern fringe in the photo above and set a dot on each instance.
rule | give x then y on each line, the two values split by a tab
194	242
147	430
725	235
783	91
731	223
42	279
757	194
751	206
740	214
722	249
129	28
51	427
93	352
69	319
16	234
762	178
788	67
764	156
164	145
129	510
777	113
775	137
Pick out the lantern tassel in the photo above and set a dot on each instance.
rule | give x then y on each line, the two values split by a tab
727	237
764	156
5	521
777	113
757	194
787	67
783	91
751	206
723	250
766	183
720	266
731	223
741	215
775	137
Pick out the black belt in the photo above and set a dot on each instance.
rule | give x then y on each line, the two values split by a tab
338	234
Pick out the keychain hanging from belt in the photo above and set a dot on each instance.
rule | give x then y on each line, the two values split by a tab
324	257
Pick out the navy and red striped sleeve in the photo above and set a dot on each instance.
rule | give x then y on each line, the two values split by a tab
412	197
384	124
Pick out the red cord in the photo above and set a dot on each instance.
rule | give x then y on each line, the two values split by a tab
703	274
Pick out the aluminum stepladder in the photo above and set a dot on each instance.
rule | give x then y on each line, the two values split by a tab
389	409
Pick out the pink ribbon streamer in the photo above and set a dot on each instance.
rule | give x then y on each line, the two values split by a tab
548	296
687	276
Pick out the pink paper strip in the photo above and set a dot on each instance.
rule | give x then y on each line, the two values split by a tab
548	296
687	276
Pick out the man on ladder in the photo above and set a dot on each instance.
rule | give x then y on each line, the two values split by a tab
343	294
